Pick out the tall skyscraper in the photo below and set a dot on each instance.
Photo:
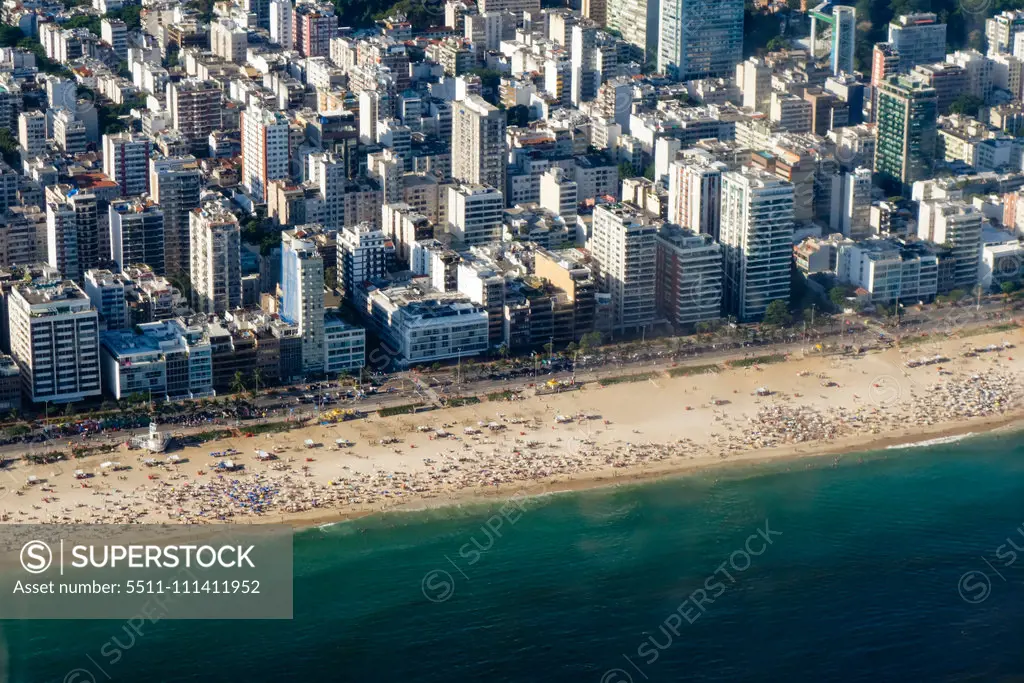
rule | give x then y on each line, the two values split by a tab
216	259
625	247
844	38
757	241
302	294
264	149
637	21
479	152
907	113
700	38
175	185
126	161
327	172
919	38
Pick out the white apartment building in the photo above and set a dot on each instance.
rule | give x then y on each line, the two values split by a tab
428	328
228	40
695	194
55	341
959	226
126	161
114	33
851	204
327	172
32	133
625	248
363	255
302	293
559	193
264	149
216	261
757	239
137	233
281	31
475	213
889	270
479	149
168	359
69	132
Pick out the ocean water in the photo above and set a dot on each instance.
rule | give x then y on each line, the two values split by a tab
888	566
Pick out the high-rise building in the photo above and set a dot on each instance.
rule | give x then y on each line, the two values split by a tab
844	37
695	194
114	33
625	248
959	226
302	293
228	40
479	151
32	133
195	107
216	259
362	256
55	341
74	243
175	185
68	132
126	161
475	213
907	114
919	39
754	78
757	241
637	21
700	38
689	276
264	149
137	233
559	194
314	24
851	203
596	11
106	291
281	30
327	172
1001	29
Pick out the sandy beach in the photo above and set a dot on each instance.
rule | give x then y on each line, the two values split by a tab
807	405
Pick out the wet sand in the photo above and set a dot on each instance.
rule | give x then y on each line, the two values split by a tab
627	432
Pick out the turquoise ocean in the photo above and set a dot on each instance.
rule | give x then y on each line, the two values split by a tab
895	565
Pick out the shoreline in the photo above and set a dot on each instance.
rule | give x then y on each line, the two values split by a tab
622	433
979	427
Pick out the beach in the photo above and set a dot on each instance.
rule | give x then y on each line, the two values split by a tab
806	405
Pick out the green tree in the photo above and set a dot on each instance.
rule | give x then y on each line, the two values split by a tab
777	314
590	341
1009	287
966	105
238	382
777	44
10	35
626	170
331	277
257	377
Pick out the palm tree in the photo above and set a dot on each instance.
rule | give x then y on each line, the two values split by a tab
257	377
238	382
